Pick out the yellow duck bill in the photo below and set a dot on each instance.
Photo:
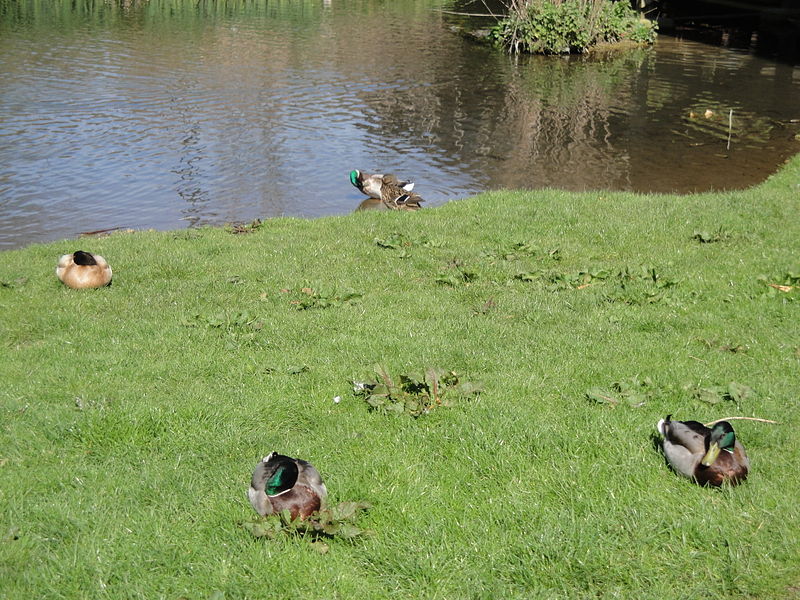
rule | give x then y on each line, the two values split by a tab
711	455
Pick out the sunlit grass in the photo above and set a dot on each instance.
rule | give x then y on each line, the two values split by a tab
134	415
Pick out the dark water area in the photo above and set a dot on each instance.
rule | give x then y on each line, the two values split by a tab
769	28
171	114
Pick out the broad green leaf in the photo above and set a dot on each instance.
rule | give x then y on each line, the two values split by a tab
345	510
376	401
348	530
739	392
331	528
709	395
601	396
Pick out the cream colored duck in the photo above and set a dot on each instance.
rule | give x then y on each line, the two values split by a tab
83	270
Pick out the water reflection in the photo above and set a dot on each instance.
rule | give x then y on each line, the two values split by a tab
166	114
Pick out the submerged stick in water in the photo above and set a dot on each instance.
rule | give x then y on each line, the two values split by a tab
730	128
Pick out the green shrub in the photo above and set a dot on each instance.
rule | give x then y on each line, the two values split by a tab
564	26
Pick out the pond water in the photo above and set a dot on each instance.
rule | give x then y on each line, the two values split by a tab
169	114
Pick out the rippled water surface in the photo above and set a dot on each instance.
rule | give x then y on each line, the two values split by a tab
171	114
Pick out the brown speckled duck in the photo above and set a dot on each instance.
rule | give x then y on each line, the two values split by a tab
396	197
83	270
283	483
707	456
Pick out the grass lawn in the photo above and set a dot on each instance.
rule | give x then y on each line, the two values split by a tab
132	416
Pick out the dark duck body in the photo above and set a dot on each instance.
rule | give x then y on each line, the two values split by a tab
709	456
283	483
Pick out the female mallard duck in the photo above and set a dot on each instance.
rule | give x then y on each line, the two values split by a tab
282	483
371	184
396	197
83	270
708	456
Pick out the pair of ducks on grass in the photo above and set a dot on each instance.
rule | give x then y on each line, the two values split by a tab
709	456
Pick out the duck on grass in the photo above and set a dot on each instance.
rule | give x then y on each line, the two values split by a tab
291	498
707	456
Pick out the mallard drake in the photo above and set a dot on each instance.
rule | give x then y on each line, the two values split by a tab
283	483
371	184
83	270
708	456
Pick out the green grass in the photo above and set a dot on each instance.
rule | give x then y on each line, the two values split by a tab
132	416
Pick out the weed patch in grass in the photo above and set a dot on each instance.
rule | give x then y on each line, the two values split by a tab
415	393
636	392
633	392
712	237
634	287
307	298
334	521
558	280
338	521
732	347
487	307
714	394
401	241
394	241
456	274
16	283
785	285
520	250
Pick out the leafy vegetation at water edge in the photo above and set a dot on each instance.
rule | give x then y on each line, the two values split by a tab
565	26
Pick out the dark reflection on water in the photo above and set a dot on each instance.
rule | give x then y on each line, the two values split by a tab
173	113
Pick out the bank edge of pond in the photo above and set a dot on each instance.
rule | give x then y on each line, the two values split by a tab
194	352
786	178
